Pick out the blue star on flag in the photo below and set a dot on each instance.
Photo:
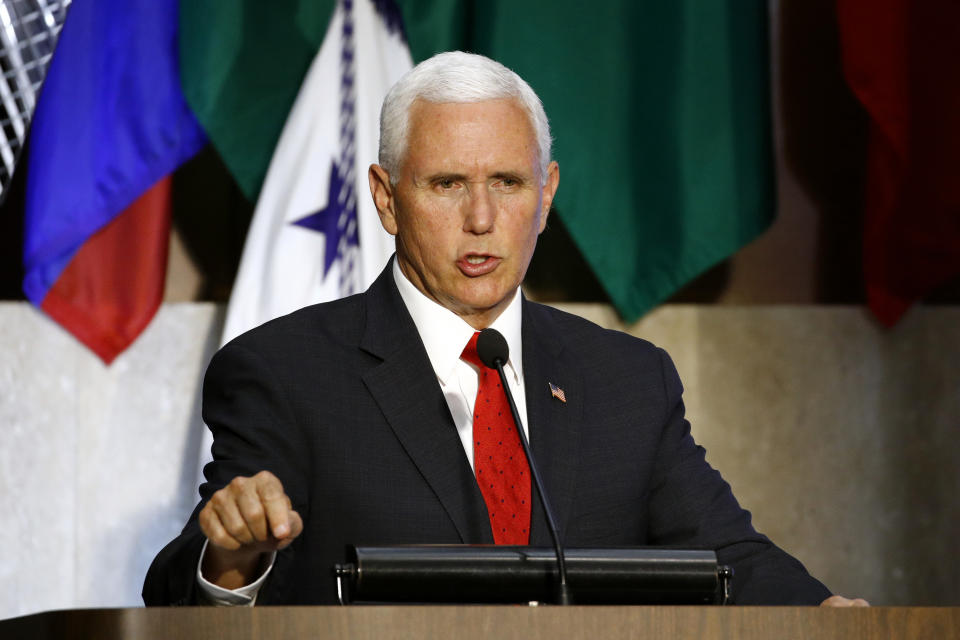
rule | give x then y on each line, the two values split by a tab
333	221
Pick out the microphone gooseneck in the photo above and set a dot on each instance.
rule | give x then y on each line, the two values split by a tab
493	351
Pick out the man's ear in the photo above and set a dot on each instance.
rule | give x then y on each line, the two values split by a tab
382	192
549	190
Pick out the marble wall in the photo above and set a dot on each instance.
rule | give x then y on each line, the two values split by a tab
98	465
841	438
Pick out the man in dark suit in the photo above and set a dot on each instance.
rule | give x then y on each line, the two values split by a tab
356	421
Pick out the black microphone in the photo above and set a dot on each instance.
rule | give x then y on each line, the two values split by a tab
493	351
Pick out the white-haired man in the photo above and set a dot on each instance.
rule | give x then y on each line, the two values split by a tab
368	421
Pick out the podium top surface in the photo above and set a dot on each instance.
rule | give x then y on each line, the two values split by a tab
474	622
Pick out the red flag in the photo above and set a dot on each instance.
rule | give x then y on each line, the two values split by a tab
901	60
110	290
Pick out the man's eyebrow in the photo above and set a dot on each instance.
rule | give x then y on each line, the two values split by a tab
439	176
510	175
442	175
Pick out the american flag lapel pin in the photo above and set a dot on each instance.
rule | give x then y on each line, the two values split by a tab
557	393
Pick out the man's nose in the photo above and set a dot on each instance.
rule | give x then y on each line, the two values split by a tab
480	213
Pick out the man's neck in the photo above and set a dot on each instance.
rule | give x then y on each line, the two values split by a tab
444	333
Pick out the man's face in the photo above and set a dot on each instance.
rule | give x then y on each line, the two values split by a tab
468	205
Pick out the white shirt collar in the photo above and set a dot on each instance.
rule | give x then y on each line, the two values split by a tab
445	334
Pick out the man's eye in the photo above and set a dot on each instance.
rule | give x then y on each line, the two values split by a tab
446	183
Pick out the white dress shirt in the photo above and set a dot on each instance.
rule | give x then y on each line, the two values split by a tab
444	335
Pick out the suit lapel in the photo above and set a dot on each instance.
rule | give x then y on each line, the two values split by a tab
554	425
405	388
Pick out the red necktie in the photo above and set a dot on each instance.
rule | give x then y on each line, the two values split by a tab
498	461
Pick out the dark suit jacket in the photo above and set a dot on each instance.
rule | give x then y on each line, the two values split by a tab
339	400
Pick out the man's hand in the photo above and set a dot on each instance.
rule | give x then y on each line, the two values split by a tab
248	517
840	601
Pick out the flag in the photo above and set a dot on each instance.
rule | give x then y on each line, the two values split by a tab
315	233
241	64
110	126
557	392
661	117
900	60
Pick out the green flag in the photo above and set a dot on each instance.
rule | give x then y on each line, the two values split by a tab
241	65
661	118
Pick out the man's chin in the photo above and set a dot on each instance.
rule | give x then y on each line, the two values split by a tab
481	310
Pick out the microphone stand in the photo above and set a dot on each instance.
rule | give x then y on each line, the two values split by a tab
563	590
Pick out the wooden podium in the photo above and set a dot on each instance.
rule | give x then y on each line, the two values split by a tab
484	622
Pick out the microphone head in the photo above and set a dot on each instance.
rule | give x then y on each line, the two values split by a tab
492	347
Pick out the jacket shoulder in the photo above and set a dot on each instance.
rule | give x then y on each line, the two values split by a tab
339	321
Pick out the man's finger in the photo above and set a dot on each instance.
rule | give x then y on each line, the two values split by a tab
840	601
296	528
224	502
276	504
254	515
296	524
214	530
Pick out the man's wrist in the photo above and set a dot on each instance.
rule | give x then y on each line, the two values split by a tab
217	595
231	569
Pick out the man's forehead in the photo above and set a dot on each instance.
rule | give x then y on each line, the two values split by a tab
470	139
424	112
494	120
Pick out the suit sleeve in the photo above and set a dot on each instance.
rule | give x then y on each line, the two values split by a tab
246	407
690	504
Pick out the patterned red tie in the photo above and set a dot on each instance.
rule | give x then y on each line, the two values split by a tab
498	461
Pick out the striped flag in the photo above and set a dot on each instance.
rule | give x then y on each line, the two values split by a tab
111	124
315	234
557	392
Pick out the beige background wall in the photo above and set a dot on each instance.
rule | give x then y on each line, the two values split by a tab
841	439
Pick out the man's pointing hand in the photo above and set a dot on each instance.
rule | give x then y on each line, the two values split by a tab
242	521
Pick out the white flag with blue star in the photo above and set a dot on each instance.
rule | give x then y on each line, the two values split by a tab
315	234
